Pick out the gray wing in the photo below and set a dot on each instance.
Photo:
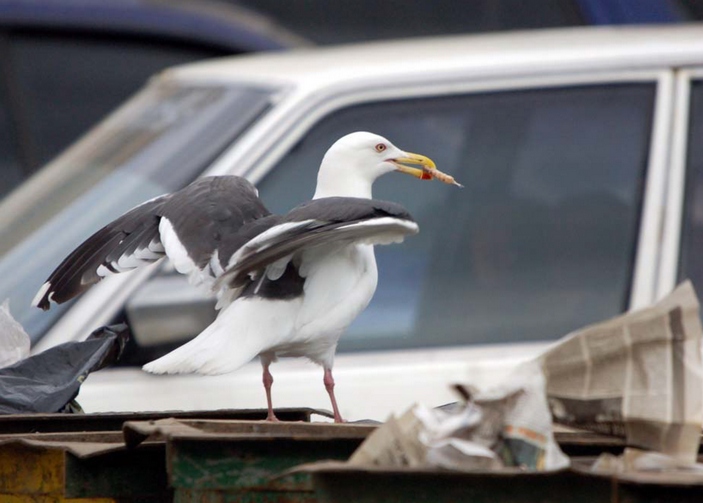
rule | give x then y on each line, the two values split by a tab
208	215
204	217
317	223
131	238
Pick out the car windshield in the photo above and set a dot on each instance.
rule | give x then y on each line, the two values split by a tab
161	140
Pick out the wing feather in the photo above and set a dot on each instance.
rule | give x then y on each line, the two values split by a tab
318	223
98	255
205	218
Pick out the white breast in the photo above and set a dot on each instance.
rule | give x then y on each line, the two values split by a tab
339	285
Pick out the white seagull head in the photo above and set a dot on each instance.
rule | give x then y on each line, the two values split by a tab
353	163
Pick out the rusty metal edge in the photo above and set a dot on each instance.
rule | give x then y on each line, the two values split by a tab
677	479
78	449
112	421
136	432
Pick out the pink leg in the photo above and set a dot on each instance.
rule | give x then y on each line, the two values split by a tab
268	381
329	386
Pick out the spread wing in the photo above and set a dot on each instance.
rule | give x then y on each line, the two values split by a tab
329	221
194	227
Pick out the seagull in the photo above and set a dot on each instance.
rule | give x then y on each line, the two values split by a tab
287	285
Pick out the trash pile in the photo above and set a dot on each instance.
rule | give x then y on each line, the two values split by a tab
637	376
506	427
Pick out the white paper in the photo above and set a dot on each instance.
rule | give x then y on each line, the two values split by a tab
14	341
642	370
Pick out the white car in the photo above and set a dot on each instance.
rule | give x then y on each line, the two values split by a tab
581	154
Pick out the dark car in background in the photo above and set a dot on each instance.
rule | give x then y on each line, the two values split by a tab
65	64
326	22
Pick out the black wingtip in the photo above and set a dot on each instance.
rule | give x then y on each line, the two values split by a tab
41	299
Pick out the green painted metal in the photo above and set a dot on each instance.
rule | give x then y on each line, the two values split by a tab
137	475
213	496
417	486
338	483
249	468
636	493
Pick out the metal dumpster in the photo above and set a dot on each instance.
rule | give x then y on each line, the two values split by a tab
77	467
190	458
337	483
41	461
227	461
340	482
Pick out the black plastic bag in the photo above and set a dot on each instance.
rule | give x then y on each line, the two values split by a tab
49	381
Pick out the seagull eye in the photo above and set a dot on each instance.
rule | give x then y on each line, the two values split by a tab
380	147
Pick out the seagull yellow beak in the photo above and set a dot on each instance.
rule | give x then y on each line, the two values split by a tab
426	170
405	165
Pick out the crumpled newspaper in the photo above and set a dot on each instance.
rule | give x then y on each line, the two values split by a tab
14	341
638	375
462	437
508	426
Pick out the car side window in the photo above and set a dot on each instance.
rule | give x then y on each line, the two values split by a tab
370	19
540	241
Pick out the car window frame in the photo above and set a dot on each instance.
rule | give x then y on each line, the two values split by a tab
297	110
674	207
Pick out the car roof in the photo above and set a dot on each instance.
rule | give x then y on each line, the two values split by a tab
514	53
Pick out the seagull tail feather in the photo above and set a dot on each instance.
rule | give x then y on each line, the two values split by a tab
216	350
